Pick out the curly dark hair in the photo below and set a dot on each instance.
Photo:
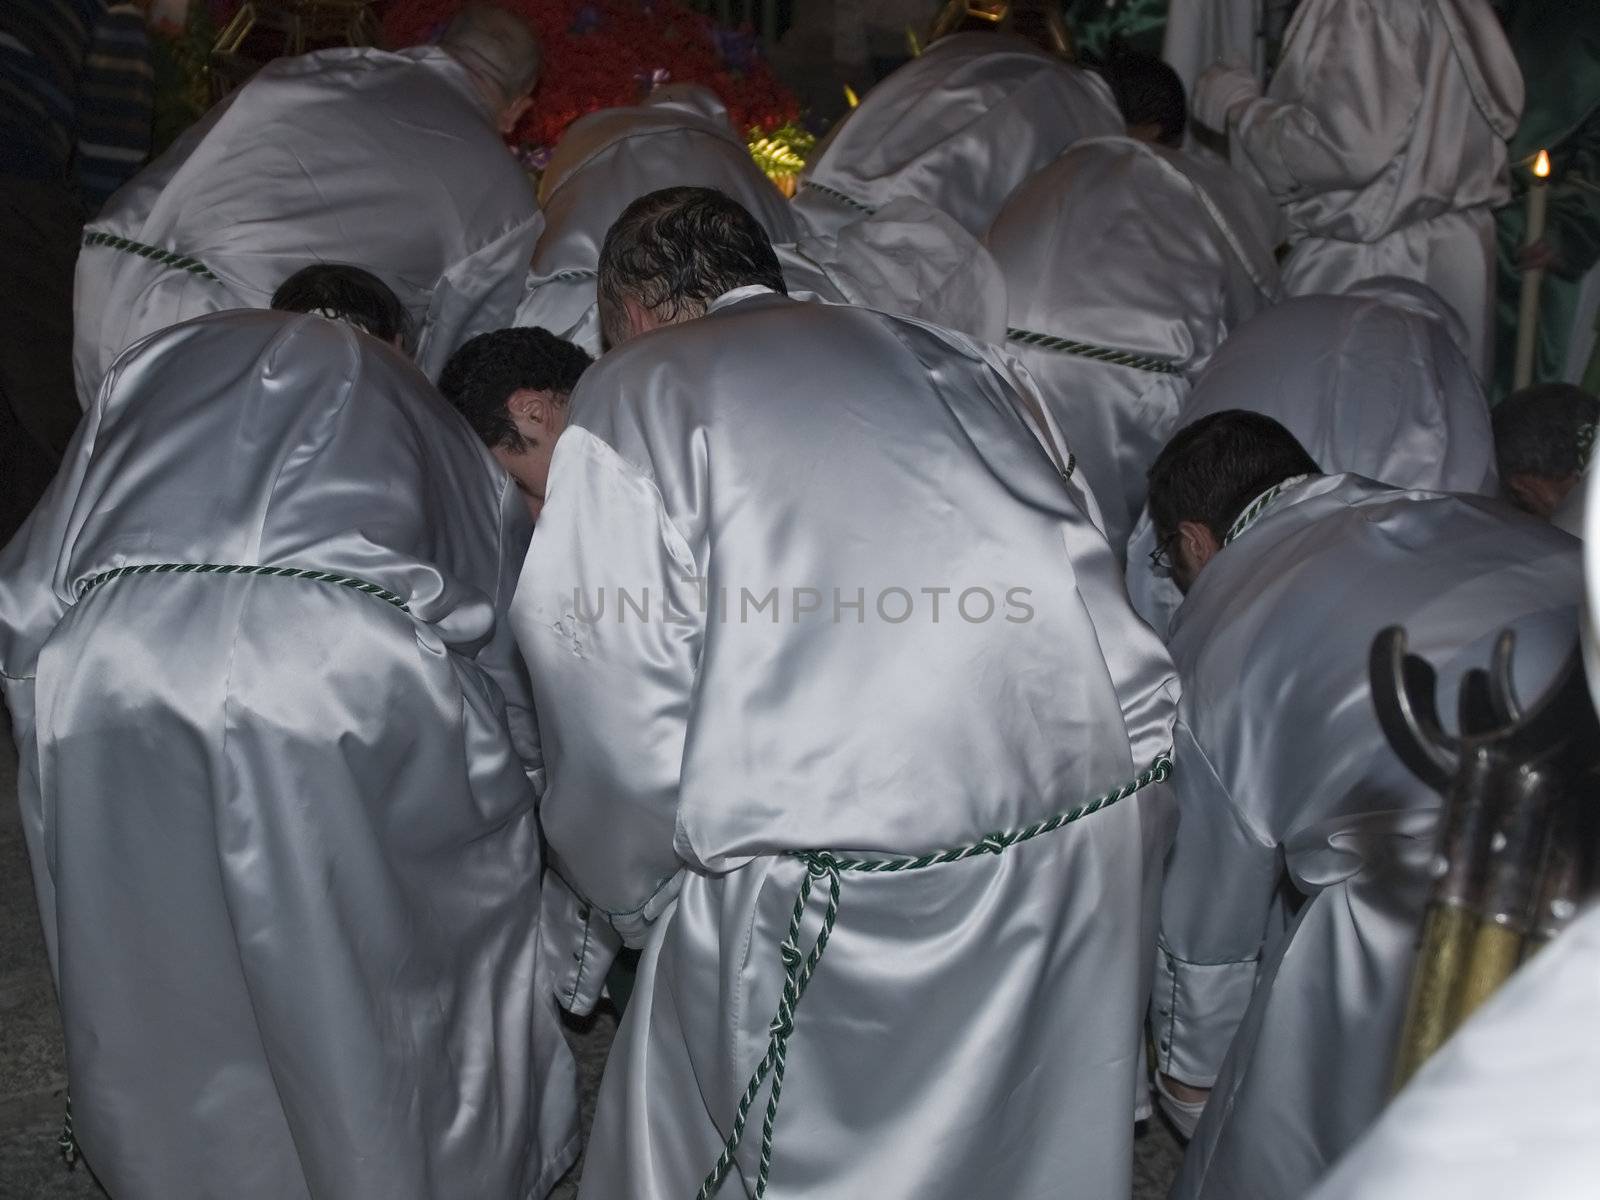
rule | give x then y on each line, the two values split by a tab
483	375
346	293
676	250
1539	431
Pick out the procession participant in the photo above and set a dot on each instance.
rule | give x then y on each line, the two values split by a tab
391	159
277	780
1507	1106
822	476
908	259
958	127
1543	441
513	387
1288	781
1124	272
1372	382
681	135
1383	135
1558	45
345	293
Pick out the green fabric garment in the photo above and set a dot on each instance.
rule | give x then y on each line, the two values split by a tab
1557	44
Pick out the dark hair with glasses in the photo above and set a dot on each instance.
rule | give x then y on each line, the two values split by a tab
1210	470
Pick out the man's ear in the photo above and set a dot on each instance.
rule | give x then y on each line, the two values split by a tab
530	410
1197	544
640	319
512	113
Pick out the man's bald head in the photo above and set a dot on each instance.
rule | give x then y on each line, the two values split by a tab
501	53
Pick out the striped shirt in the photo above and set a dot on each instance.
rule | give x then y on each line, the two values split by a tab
76	93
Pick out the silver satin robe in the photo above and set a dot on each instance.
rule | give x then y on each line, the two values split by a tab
605	162
1383	134
1372	383
387	161
1509	1106
1125	265
973	1029
958	127
1289	783
283	833
908	259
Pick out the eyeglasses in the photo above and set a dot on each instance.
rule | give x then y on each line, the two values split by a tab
1161	556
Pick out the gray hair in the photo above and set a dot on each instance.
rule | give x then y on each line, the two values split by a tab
496	46
675	251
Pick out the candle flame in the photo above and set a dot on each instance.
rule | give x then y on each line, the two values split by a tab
850	96
1541	165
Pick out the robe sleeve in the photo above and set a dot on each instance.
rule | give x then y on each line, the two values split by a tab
1215	905
500	657
608	616
478	294
1360	89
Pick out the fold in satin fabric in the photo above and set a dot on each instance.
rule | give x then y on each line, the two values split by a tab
1508	1107
908	259
284	834
605	162
1288	777
1132	248
1383	134
387	161
1371	383
958	127
966	1015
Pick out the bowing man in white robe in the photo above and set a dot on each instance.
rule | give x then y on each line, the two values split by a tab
1508	1106
394	161
1383	135
958	127
1289	784
1372	382
821	475
280	807
680	136
1126	263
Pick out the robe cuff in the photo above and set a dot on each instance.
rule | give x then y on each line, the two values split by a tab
579	944
1195	1009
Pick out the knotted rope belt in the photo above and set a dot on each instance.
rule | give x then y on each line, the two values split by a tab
328	577
166	258
798	966
1107	354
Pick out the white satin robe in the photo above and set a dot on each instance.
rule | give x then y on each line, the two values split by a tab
1199	33
958	127
389	162
607	160
1509	1106
1372	383
908	259
973	1029
1288	782
1383	135
283	835
1135	248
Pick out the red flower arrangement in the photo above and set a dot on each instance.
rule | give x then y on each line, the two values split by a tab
604	53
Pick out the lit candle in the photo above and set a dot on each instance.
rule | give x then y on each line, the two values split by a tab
1533	278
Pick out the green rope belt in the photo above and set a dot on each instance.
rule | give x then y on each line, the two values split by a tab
836	194
166	258
799	967
574	273
1121	358
344	581
1256	507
